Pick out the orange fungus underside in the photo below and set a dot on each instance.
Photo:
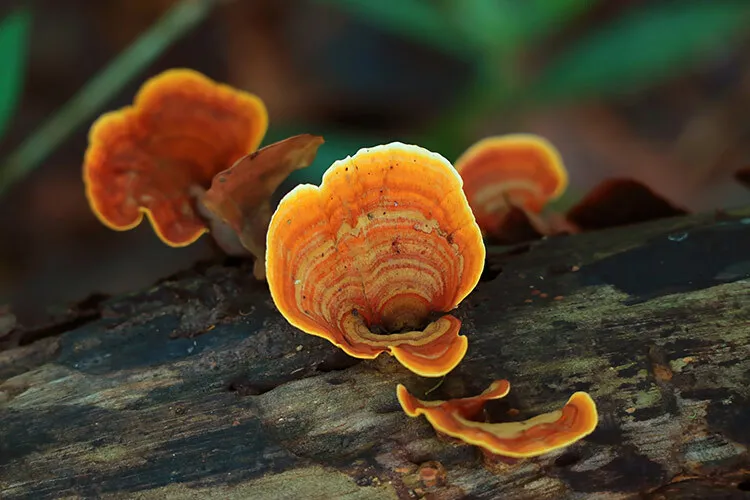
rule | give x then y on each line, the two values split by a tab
241	195
518	170
182	129
529	438
364	259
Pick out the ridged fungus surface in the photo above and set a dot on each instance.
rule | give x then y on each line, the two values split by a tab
533	437
147	158
366	259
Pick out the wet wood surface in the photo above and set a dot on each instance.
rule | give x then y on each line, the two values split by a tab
198	388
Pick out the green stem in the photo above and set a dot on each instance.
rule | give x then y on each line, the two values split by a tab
174	24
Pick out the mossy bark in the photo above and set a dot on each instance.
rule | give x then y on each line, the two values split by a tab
198	388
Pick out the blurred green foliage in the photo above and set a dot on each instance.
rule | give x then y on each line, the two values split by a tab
466	28
642	48
14	34
639	47
506	26
414	19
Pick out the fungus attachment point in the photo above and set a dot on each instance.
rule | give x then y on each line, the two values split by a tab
618	202
508	180
529	438
365	259
519	225
149	158
240	196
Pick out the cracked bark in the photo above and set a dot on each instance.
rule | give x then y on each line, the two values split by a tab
199	388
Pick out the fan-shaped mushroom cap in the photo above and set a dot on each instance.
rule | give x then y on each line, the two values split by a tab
386	240
535	436
182	129
521	170
241	195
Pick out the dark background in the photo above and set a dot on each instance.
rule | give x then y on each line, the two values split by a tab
655	90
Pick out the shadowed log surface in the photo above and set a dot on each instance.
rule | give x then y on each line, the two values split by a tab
198	388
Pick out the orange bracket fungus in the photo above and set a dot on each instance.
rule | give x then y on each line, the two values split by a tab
618	202
366	259
529	438
503	173
240	196
149	158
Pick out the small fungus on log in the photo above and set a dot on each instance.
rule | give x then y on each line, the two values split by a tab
529	438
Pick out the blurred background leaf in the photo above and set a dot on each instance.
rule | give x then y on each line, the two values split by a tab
14	33
641	48
419	20
510	25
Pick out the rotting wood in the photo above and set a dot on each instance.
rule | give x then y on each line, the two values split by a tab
198	388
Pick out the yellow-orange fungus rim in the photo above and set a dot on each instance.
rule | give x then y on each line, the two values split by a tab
146	159
533	437
387	239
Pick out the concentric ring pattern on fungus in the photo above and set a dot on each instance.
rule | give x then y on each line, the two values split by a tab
521	170
365	259
533	437
182	129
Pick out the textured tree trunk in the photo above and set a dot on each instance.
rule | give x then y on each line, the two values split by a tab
198	388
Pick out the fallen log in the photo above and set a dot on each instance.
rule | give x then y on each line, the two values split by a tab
198	388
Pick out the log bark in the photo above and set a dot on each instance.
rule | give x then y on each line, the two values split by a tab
198	388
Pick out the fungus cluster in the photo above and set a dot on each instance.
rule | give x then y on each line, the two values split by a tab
373	260
366	259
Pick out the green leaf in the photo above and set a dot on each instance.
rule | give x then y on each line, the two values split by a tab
642	48
510	25
539	18
489	24
14	34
